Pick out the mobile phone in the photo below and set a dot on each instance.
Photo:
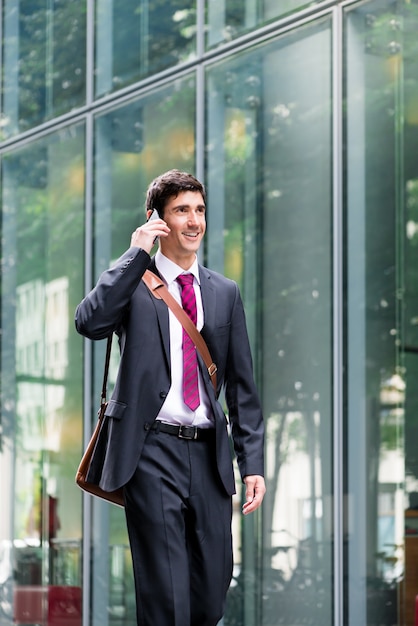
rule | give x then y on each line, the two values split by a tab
154	216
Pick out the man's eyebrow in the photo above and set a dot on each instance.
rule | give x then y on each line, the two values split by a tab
187	206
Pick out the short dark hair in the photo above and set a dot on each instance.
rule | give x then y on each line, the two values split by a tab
170	184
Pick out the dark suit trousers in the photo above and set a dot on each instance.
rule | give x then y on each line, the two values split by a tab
179	525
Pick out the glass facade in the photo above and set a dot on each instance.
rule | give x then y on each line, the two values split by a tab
44	61
43	193
228	19
302	119
381	72
137	39
275	100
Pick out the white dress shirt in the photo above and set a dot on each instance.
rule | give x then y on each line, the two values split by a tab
174	410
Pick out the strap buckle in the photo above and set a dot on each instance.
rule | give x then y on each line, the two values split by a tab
212	369
187	432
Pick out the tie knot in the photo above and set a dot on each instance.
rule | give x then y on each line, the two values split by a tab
185	279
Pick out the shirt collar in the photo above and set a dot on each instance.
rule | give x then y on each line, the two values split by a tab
170	270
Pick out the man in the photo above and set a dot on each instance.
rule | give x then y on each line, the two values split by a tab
166	444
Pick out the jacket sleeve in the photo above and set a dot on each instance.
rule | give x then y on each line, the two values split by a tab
245	414
101	312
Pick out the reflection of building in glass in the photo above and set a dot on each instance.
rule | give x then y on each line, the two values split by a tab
41	362
391	479
56	328
42	328
299	474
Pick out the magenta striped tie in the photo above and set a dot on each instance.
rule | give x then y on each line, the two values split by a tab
190	380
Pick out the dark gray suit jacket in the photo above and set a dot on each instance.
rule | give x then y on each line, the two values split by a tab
121	303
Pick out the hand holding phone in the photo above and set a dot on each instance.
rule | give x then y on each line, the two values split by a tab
142	237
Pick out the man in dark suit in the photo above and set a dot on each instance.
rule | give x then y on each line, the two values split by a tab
165	435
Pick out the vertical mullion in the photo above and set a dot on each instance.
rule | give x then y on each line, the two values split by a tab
200	28
200	95
338	251
90	44
200	122
1	59
87	364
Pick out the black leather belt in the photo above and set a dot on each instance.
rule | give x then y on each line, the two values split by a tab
193	433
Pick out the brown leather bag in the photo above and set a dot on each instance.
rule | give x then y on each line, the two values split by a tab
115	497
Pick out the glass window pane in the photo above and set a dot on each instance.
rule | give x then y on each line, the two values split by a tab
227	19
269	215
382	216
134	143
136	39
42	374
44	61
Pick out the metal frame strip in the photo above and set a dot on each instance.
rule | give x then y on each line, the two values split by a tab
338	282
87	365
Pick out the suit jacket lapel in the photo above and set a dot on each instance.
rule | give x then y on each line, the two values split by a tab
209	309
208	299
162	316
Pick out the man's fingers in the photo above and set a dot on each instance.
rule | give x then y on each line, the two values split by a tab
255	489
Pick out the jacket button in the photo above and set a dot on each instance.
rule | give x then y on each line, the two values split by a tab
163	394
147	426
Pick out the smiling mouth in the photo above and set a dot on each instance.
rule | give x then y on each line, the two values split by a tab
193	235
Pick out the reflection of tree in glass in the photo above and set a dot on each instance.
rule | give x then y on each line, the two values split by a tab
147	37
51	63
48	208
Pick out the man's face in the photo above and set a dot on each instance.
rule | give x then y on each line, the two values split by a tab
185	216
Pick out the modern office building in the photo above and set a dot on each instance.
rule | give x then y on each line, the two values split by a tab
302	120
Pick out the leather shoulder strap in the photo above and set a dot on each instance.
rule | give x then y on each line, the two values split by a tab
106	370
160	291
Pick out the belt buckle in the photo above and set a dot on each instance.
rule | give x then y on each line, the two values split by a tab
183	432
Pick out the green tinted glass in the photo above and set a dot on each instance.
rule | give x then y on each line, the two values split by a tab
381	78
228	19
270	228
136	39
42	373
44	61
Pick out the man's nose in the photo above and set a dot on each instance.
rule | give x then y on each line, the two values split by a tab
193	218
